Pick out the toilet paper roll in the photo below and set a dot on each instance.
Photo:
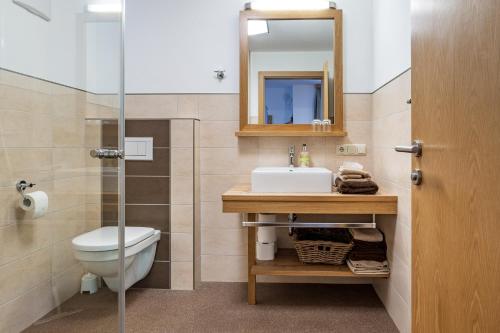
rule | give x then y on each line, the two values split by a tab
266	234
36	203
265	251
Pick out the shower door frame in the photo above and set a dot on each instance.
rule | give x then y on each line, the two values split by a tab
121	178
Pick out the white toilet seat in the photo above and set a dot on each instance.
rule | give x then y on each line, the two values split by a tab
106	238
110	255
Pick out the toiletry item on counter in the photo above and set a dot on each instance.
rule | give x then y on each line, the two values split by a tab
350	179
36	203
317	125
368	254
265	251
304	158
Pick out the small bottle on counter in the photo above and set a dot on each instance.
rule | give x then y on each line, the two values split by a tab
304	159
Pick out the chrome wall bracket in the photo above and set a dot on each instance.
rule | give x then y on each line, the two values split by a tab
22	185
103	153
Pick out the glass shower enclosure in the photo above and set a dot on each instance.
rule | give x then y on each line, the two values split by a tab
61	79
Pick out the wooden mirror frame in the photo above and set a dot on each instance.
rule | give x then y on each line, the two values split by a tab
337	128
318	75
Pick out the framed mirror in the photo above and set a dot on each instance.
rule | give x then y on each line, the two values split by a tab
291	73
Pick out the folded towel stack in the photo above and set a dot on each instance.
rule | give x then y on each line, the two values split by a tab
355	181
368	255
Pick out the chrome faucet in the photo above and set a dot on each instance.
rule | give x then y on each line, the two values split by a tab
291	155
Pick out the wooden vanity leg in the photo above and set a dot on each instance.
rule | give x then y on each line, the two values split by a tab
252	280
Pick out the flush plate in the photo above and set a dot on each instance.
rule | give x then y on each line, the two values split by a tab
139	148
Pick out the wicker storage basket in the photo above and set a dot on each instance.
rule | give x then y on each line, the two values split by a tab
322	251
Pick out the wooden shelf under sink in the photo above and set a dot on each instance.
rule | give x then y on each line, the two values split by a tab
287	263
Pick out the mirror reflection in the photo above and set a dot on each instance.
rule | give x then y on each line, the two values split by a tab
290	71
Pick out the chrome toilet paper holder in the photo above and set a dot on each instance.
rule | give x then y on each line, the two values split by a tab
22	185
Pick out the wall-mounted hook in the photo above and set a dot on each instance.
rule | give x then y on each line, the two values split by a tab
220	74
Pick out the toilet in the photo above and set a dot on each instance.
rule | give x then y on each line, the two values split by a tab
97	250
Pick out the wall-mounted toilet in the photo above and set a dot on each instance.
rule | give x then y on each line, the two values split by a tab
97	250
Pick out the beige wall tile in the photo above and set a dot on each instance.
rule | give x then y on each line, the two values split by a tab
181	218
182	162
20	163
25	129
93	134
67	284
67	223
213	217
188	106
151	106
391	171
218	134
181	246
217	107
182	275
395	305
229	161
69	162
400	133
181	133
212	187
224	268
358	107
21	275
182	190
93	217
68	192
68	131
9	207
62	256
20	239
20	313
45	140
224	242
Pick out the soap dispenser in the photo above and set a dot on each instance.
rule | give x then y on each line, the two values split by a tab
304	159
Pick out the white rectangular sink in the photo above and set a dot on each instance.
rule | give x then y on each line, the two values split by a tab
291	180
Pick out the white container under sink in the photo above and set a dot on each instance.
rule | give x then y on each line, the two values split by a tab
291	180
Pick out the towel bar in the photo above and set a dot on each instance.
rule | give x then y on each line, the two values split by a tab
309	224
292	224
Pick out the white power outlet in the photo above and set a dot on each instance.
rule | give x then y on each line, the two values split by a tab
351	149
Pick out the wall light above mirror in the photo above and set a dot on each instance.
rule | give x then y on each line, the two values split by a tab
290	72
290	5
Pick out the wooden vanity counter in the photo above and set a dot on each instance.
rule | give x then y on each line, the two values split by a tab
240	199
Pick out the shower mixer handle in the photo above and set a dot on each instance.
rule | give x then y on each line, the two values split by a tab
103	153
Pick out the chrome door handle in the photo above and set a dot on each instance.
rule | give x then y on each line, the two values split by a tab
415	148
102	153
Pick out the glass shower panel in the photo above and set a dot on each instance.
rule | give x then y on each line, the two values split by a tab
60	87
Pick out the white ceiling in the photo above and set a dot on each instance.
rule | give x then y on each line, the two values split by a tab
294	35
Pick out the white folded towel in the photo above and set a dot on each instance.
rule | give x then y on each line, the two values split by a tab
379	268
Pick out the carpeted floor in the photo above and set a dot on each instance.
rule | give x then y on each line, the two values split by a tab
221	307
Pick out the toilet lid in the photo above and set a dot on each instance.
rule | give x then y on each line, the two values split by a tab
106	238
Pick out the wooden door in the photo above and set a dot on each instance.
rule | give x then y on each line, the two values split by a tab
456	210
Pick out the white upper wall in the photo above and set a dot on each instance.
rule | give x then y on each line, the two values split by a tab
66	50
174	46
391	40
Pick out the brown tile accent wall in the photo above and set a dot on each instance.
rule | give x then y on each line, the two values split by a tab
147	191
